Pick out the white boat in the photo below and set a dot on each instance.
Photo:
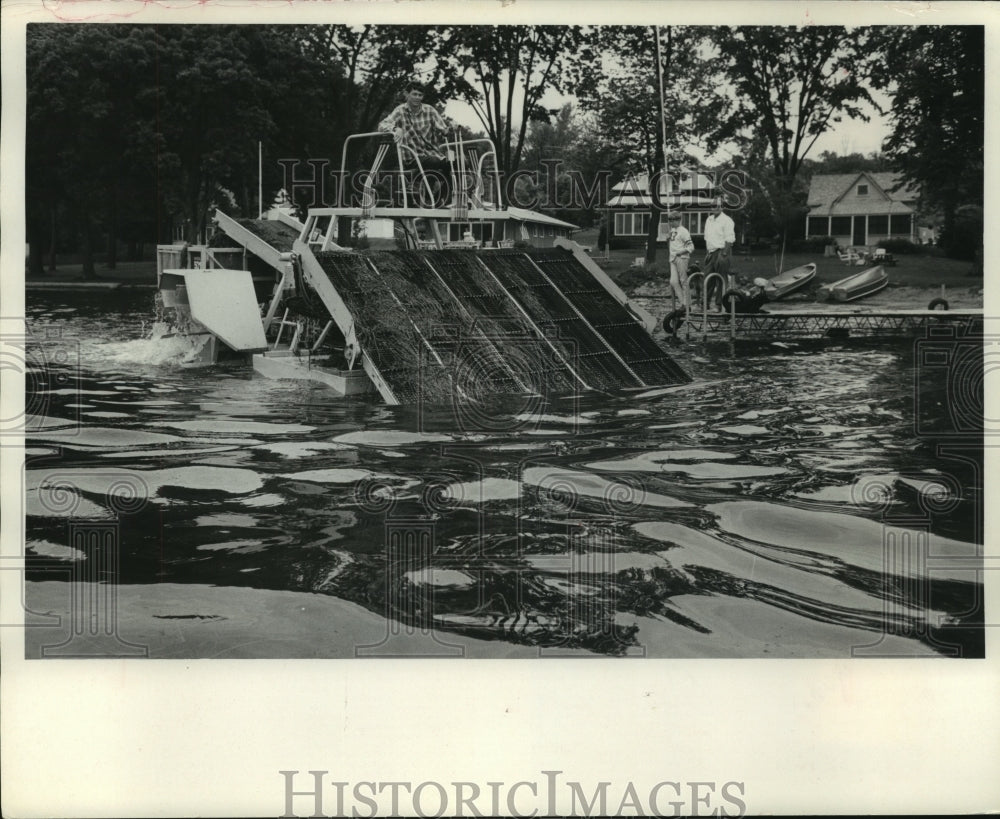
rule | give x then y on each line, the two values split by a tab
856	286
789	281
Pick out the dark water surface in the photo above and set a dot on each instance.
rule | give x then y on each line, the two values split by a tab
795	500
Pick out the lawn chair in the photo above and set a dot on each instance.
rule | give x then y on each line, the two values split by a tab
879	256
845	255
849	256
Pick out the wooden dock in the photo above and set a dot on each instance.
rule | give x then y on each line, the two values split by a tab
830	323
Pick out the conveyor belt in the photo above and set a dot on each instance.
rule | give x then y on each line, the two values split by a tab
500	322
277	234
433	324
609	319
266	238
393	342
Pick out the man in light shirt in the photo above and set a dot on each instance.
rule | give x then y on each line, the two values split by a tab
680	254
420	129
416	124
720	236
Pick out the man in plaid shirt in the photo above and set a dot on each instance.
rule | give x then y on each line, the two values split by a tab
421	129
414	123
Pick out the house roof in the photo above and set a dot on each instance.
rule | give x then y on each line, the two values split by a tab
690	181
524	215
692	189
625	200
828	194
687	181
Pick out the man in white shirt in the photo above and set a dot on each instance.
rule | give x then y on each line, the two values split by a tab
680	254
720	236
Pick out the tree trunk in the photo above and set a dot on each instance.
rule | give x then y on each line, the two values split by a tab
52	240
947	238
88	249
652	233
36	268
112	259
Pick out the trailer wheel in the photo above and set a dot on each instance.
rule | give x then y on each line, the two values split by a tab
673	320
729	298
938	303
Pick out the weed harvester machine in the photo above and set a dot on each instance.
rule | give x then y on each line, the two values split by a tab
460	305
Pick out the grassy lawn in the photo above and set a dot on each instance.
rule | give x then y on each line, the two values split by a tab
134	272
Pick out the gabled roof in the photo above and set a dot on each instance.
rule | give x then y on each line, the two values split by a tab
688	181
693	189
626	199
524	215
827	188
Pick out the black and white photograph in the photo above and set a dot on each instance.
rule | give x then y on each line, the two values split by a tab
630	348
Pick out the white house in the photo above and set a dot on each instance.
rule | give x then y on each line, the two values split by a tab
861	208
630	206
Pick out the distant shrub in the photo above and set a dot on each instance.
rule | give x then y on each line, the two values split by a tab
964	239
522	245
814	244
900	247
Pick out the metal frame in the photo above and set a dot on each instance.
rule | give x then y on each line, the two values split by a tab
757	326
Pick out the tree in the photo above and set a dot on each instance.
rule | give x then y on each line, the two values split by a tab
87	124
504	71
625	100
376	62
791	84
935	75
550	155
215	108
830	162
133	128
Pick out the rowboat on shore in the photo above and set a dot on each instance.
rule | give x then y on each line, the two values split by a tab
856	286
789	281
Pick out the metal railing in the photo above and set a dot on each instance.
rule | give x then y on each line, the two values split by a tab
705	279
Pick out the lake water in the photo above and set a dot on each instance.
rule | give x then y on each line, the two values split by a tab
795	500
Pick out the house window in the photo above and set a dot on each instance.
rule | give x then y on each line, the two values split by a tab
456	230
878	225
631	224
840	226
663	229
481	231
817	225
862	190
900	225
